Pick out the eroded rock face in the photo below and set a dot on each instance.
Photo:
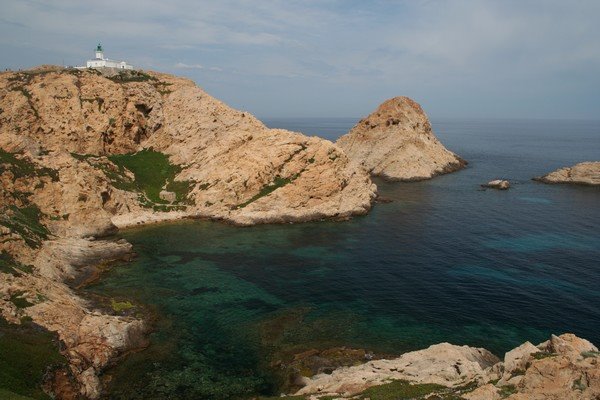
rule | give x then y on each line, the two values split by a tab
396	142
585	173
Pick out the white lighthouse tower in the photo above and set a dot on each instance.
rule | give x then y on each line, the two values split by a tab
100	61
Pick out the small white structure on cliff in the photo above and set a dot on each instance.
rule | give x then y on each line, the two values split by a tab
101	62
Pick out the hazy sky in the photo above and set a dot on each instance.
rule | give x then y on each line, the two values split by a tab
335	58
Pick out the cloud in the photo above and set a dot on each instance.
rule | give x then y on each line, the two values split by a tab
485	52
188	66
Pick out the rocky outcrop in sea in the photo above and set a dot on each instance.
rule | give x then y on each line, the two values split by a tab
585	173
396	142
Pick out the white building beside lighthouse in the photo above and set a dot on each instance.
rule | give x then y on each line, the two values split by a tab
102	62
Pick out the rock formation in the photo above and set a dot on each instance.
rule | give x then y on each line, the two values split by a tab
82	154
564	367
442	364
499	184
397	143
231	166
585	173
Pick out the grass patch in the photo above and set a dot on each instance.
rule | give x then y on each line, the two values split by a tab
120	306
578	385
398	390
542	354
26	353
8	265
21	168
588	354
19	301
131	76
507	390
153	171
26	223
7	395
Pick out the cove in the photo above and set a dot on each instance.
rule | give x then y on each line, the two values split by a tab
444	261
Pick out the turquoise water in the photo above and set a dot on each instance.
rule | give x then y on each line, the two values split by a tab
445	261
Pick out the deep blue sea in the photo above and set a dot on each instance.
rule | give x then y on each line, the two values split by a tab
444	261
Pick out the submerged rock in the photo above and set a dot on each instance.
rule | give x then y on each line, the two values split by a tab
396	142
585	173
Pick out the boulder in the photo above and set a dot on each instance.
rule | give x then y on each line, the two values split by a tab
171	197
499	184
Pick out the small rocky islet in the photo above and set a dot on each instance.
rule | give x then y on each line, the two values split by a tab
86	152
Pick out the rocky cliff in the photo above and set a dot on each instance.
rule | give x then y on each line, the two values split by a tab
83	153
585	173
224	163
396	142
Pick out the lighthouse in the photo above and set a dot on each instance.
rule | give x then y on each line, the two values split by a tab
99	52
100	61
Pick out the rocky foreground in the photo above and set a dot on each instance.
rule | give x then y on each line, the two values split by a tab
396	142
585	173
564	367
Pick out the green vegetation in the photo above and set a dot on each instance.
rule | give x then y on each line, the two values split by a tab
277	183
120	306
25	222
578	385
18	300
21	168
507	390
6	395
26	353
542	354
8	265
400	389
131	76
152	171
588	354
